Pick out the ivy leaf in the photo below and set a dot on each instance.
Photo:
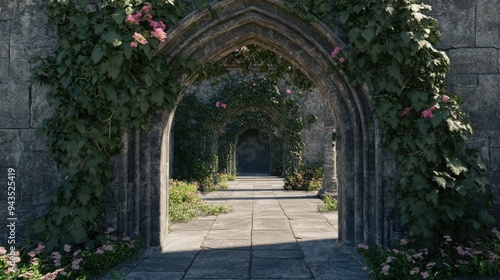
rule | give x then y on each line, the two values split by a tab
97	53
456	166
84	195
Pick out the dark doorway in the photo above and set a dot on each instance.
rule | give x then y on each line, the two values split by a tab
253	153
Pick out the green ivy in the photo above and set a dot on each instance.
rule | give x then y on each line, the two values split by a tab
202	128
440	191
100	86
103	81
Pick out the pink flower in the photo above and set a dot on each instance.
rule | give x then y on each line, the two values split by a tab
363	246
32	254
132	19
496	232
107	247
217	104
159	34
403	241
414	270
335	52
447	238
405	111
34	261
341	60
385	269
254	84
141	40
133	44
126	238
99	251
67	248
223	105
2	250
147	8
425	274
288	91
427	113
55	255
77	252
460	250
75	265
389	259
157	24
445	98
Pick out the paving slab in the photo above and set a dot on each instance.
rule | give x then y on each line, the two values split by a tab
280	269
271	234
220	264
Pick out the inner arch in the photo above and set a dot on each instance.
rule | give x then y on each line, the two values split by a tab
362	215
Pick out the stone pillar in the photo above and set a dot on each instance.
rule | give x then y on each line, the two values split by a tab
329	185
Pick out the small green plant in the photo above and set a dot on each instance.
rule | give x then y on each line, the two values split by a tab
186	203
70	262
306	179
329	204
476	258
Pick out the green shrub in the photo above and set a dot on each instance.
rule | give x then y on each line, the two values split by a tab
306	179
69	262
330	204
477	258
186	204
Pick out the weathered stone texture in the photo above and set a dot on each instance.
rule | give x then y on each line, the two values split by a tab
473	60
40	108
14	107
4	39
7	9
456	21
487	23
479	102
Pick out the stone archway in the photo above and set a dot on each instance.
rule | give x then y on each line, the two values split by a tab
144	160
253	153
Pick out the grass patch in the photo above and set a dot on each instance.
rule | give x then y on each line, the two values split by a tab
186	204
329	204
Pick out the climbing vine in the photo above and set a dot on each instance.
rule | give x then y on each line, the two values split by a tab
105	77
440	190
237	104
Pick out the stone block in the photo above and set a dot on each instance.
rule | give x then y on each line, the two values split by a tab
477	103
8	9
473	61
30	33
4	69
488	23
38	177
4	38
19	70
11	147
462	80
14	108
456	22
40	108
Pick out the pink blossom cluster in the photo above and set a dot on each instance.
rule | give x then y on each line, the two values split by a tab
428	113
220	104
288	91
335	53
157	26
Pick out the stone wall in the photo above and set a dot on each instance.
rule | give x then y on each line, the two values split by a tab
470	36
23	108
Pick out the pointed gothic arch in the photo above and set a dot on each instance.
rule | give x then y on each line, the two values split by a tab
143	164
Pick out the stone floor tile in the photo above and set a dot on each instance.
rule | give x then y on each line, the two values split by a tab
280	269
216	264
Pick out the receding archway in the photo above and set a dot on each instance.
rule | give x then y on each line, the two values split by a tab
363	216
253	153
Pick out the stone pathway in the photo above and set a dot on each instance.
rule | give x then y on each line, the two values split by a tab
272	234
